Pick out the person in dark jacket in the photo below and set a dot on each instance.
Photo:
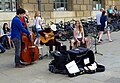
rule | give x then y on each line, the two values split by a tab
103	21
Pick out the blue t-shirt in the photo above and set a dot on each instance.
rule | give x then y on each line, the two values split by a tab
110	10
103	19
17	28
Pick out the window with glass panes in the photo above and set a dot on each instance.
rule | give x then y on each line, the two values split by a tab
97	4
8	5
61	5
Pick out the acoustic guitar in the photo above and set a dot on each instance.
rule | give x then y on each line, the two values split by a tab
50	34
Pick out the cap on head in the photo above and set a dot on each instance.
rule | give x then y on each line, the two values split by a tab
53	27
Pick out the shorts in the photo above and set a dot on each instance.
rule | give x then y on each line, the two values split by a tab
98	27
38	29
101	28
37	35
80	39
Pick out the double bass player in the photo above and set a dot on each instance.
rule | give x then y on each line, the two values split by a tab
16	29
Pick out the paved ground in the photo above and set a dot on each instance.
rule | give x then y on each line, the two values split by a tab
38	72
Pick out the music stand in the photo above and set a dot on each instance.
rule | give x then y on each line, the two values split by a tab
95	38
95	31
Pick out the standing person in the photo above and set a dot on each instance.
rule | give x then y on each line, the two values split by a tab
16	29
110	11
79	36
38	22
98	16
115	9
103	21
115	13
25	20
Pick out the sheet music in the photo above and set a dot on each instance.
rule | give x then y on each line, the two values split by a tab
86	61
72	67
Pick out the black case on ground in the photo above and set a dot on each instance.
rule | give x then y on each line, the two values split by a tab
61	58
80	53
100	68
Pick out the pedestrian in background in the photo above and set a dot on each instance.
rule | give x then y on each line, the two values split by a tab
103	21
98	16
110	11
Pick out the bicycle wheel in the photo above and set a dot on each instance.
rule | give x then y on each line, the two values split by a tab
110	27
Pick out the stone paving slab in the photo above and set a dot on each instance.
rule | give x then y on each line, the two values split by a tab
38	72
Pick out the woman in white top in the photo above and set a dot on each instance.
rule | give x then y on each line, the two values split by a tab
79	36
38	23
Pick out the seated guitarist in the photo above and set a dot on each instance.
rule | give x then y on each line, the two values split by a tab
48	38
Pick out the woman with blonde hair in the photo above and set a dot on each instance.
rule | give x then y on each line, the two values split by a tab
79	36
38	22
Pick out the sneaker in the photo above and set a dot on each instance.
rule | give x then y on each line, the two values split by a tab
23	64
110	40
41	57
19	66
101	40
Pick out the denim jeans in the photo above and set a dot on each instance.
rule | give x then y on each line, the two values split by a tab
17	44
4	41
2	48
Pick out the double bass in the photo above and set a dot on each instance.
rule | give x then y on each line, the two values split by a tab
29	51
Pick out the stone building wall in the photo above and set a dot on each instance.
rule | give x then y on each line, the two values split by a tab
113	3
79	9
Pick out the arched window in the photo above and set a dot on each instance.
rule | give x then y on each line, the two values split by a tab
61	5
8	5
